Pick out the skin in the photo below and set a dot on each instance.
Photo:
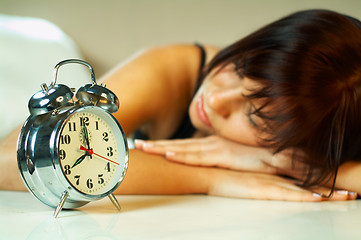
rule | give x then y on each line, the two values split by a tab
218	161
220	107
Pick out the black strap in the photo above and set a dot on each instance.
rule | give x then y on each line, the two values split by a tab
186	129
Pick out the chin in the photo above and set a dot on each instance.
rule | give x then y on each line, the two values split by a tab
200	126
196	122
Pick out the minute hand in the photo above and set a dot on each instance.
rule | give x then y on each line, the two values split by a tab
91	152
86	136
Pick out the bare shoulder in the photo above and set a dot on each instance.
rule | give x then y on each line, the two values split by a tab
164	77
179	57
192	50
189	51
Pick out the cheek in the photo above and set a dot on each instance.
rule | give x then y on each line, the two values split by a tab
192	113
240	131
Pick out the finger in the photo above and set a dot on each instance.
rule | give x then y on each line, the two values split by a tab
191	158
324	193
352	195
340	195
181	142
138	144
259	186
190	141
337	195
161	147
287	191
287	194
151	146
192	152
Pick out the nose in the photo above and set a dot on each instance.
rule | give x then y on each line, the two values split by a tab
225	101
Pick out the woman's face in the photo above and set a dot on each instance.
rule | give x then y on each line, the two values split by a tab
221	108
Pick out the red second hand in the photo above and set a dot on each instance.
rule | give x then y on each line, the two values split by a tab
91	152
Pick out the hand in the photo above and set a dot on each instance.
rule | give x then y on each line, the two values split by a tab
212	151
255	169
262	186
80	159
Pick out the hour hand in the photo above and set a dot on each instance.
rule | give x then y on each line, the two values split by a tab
79	160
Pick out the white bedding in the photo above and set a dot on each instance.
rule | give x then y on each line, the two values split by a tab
29	50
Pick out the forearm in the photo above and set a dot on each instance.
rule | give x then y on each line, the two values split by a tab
152	174
10	178
349	177
147	174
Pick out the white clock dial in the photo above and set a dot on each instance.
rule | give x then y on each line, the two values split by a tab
89	152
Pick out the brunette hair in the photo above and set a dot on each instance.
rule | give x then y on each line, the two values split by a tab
309	64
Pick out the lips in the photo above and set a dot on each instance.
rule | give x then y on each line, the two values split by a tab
201	113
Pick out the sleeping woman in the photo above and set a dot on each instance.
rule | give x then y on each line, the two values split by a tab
276	115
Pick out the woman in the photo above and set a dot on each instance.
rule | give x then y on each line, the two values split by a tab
275	117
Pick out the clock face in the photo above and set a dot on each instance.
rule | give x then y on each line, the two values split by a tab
92	152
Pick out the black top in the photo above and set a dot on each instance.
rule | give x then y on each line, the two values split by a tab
185	129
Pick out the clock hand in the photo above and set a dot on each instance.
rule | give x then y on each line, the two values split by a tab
86	137
91	152
79	160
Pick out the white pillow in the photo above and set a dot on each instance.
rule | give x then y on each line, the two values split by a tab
30	48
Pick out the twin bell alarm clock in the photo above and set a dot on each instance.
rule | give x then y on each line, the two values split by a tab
71	150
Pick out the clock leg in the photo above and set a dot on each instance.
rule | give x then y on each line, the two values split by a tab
114	201
61	203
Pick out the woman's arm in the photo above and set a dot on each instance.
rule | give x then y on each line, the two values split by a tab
152	174
214	151
10	178
349	177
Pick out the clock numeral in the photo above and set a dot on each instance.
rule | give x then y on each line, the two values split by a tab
110	151
62	154
107	167
65	139
89	183
96	125
100	179
67	170
105	136
72	126
77	177
84	121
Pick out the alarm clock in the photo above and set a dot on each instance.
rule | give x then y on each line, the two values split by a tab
71	150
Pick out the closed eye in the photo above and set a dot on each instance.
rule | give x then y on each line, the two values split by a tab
250	116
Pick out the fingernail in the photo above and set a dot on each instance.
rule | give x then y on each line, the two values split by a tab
317	195
342	192
138	143
170	154
148	145
353	194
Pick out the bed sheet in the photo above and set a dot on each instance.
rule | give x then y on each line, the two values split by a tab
29	50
